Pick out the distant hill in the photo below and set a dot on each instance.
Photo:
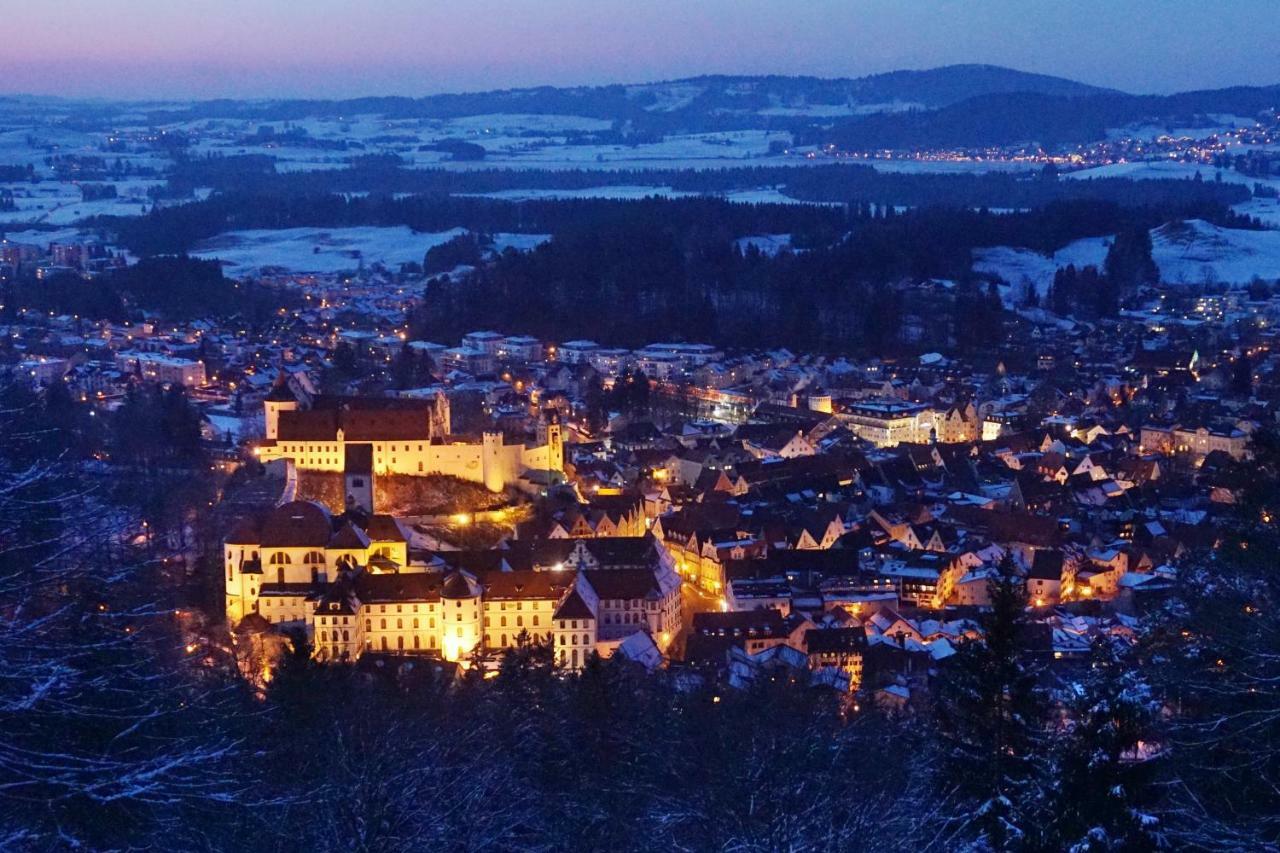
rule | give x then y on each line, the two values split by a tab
952	106
708	102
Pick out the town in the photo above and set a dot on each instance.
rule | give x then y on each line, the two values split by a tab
725	513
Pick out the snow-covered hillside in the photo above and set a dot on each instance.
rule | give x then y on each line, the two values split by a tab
1186	252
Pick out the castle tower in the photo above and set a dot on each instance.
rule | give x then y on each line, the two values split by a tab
280	399
491	466
460	615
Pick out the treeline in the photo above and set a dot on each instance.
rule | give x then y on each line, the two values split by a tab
178	228
838	183
177	287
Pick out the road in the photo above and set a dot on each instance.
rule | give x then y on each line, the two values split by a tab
692	600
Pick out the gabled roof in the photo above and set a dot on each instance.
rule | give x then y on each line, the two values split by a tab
574	607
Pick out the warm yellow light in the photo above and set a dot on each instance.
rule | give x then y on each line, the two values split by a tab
462	518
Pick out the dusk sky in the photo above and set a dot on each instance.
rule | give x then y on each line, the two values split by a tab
338	48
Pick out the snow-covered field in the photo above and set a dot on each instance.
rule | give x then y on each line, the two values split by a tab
1155	169
319	250
1190	252
768	244
60	202
333	250
618	192
1265	209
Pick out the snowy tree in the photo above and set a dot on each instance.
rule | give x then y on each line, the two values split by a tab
990	718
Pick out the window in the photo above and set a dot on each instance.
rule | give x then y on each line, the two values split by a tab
313	558
415	623
400	623
383	626
384	644
368	624
280	559
417	643
345	636
535	620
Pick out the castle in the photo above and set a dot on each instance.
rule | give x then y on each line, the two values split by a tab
368	436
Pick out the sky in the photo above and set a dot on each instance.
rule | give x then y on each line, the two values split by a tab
344	48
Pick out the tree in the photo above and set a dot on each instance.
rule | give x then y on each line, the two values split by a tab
990	716
345	361
404	369
1129	265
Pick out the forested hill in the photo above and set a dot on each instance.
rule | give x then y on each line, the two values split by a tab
1049	118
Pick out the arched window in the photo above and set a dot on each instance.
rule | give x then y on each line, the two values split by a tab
368	624
346	638
384	644
384	624
400	643
280	558
313	558
324	635
416	642
415	622
399	623
504	621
